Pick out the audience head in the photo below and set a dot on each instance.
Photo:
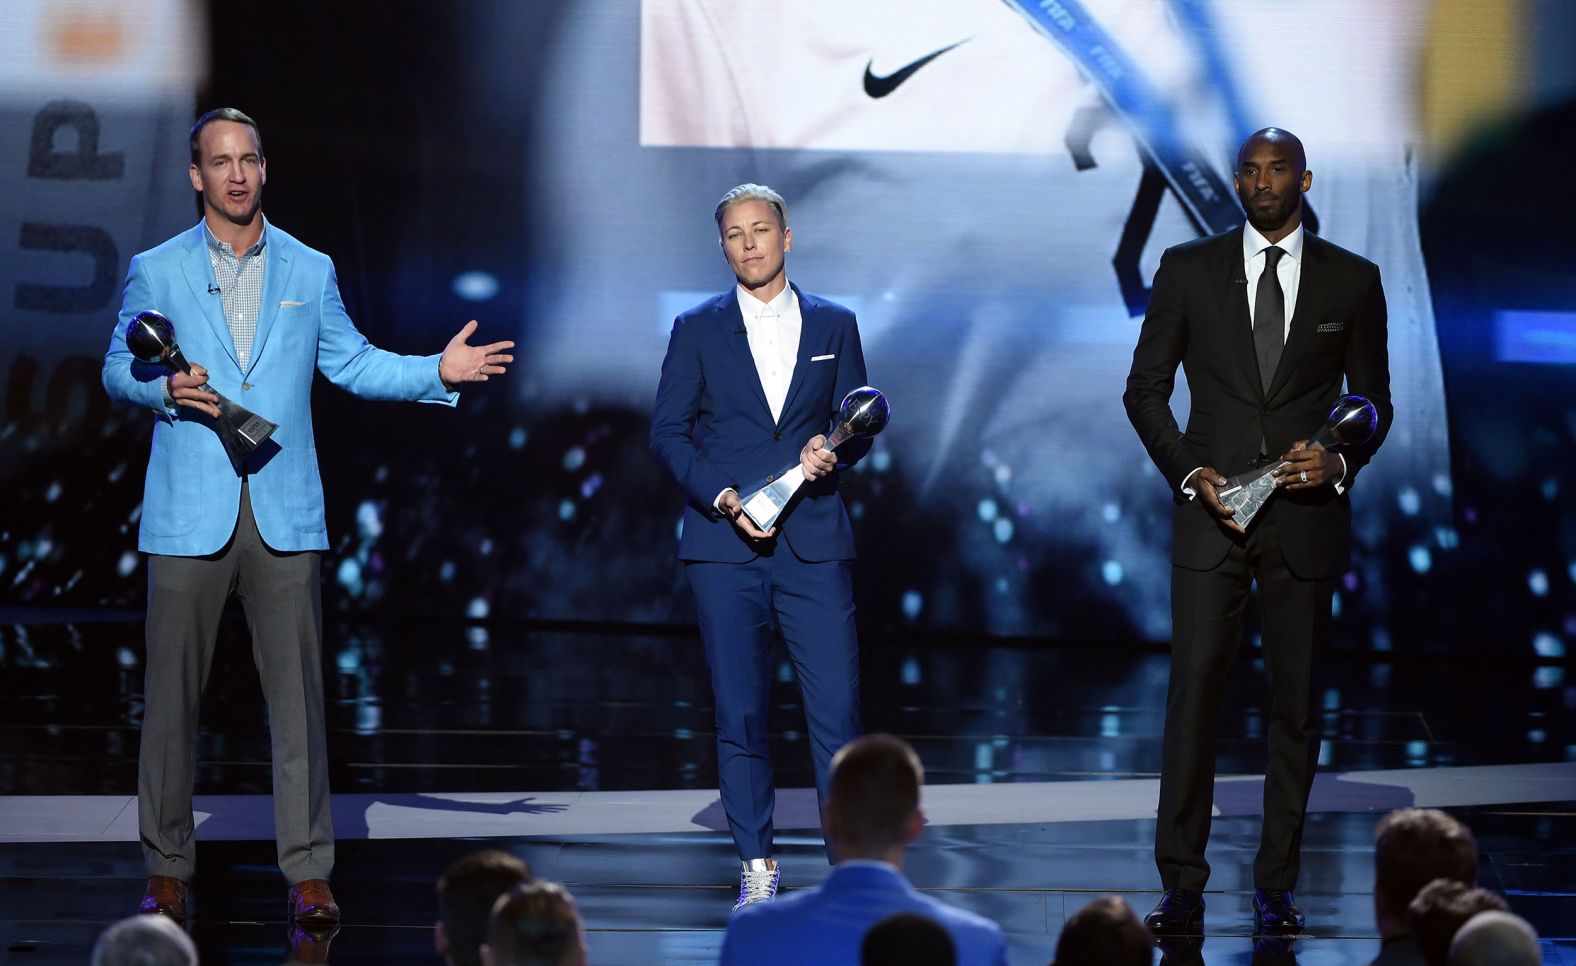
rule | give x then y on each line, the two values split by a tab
144	941
1495	939
1413	847
872	808
466	895
1443	907
535	924
1104	933
908	939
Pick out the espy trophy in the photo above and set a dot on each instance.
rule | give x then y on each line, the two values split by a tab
1352	421
863	413
151	338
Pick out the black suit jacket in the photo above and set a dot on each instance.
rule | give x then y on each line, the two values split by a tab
1198	318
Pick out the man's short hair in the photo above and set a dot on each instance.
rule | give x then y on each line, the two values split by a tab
1415	846
1106	932
1495	939
535	924
144	941
467	891
908	939
874	792
752	192
222	114
1441	908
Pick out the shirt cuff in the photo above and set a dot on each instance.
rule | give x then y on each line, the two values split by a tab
1188	491
717	503
169	400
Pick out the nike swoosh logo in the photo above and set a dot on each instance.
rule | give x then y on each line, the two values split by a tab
882	86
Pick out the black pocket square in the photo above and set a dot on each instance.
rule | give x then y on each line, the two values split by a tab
1332	327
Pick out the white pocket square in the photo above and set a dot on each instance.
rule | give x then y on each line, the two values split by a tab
287	304
823	358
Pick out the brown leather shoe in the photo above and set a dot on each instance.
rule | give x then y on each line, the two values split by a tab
312	903
166	896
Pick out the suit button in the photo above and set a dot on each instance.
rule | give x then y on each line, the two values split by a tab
246	385
770	477
778	437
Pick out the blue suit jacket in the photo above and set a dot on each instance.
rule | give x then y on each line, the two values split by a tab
825	926
192	495
712	428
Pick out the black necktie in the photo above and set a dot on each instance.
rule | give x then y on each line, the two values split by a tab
1269	317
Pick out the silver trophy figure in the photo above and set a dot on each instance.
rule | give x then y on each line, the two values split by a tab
1352	421
863	413
151	337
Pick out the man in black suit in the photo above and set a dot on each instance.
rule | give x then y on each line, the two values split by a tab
1267	321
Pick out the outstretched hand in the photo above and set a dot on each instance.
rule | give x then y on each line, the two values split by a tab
463	362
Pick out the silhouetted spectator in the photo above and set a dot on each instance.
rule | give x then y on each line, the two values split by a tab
1495	939
1413	847
467	892
1106	932
908	939
144	941
1442	908
535	924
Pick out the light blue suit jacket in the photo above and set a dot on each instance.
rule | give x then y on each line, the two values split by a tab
825	926
192	495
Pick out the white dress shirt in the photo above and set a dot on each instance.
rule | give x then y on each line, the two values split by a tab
772	329
1289	270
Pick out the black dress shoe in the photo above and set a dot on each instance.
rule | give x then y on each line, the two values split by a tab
1180	913
1275	912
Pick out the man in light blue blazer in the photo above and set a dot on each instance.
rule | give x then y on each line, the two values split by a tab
751	382
260	312
870	817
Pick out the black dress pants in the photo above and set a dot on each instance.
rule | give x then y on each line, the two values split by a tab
1206	617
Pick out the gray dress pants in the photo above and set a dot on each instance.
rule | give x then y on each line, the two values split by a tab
283	602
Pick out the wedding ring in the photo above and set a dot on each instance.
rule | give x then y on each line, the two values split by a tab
1303	476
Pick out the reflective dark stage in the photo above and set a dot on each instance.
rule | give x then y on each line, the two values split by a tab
590	755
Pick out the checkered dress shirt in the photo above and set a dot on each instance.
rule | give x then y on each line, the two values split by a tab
240	279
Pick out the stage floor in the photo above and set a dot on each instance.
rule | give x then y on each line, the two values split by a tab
590	755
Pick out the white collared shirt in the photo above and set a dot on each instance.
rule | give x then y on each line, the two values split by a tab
773	331
1289	269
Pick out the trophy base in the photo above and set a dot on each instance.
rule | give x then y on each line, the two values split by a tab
765	506
1246	493
241	431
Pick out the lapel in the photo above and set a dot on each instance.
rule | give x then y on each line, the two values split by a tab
730	326
1234	309
812	337
197	266
1305	316
276	273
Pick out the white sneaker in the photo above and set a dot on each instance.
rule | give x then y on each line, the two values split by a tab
758	880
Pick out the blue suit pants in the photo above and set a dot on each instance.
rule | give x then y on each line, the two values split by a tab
740	607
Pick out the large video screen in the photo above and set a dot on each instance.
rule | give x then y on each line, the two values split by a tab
988	184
